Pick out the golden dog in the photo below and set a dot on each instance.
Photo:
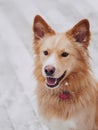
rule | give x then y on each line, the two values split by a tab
67	93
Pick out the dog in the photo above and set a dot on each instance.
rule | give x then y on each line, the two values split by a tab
66	91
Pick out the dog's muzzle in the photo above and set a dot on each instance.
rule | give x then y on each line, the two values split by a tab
51	81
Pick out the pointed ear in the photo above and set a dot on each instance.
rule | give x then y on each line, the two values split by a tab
41	28
81	32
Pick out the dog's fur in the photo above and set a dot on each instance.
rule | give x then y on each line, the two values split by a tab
79	111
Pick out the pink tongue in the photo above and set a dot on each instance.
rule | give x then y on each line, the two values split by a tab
51	81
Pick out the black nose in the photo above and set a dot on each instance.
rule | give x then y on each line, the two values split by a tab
49	70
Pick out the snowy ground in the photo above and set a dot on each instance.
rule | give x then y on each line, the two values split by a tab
17	101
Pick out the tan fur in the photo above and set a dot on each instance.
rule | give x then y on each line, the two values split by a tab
83	102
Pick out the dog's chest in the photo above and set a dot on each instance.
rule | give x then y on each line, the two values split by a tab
62	125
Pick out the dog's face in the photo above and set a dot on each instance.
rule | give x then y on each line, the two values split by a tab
60	54
58	58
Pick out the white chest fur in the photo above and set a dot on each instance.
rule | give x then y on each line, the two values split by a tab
60	125
78	122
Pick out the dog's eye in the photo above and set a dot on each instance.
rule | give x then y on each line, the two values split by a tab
64	54
45	52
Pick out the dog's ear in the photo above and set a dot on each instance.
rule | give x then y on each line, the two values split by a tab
81	32
41	28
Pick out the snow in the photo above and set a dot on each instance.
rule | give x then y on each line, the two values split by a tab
18	109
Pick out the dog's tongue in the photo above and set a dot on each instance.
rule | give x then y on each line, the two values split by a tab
51	81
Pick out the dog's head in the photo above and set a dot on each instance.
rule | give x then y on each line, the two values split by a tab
60	54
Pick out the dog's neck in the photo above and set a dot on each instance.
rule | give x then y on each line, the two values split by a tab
77	84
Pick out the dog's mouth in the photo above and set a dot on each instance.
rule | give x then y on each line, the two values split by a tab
53	82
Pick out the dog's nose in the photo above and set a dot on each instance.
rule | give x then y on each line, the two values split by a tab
49	70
